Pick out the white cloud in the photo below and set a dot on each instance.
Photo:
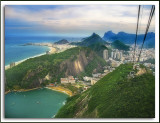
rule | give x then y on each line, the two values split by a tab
86	18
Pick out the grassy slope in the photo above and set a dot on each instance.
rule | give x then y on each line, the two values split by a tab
114	96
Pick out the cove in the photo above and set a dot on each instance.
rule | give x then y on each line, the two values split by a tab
39	103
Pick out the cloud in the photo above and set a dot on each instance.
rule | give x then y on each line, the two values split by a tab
82	18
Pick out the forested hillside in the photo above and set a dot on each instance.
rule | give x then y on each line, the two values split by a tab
114	96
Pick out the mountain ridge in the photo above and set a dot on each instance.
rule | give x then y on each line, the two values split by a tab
129	38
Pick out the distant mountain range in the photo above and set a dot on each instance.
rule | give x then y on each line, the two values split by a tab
128	38
63	41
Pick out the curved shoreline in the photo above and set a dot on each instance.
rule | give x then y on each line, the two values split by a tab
51	50
22	90
59	89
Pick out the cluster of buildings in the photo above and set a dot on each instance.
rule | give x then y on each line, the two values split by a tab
69	79
149	65
117	54
62	47
92	80
97	76
117	57
147	53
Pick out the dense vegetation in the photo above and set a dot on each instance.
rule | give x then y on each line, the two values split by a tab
32	72
119	45
114	96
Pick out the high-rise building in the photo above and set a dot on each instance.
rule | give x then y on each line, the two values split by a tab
121	55
115	55
105	54
112	54
118	55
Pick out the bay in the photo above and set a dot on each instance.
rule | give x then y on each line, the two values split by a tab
39	103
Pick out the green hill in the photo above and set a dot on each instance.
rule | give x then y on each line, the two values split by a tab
119	45
93	39
32	73
114	96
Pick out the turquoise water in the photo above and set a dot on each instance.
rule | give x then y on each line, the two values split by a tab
15	53
40	103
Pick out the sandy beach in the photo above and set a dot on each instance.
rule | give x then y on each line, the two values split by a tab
61	89
52	50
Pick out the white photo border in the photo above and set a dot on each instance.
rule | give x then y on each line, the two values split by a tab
156	3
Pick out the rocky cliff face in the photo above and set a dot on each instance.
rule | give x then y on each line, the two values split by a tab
76	64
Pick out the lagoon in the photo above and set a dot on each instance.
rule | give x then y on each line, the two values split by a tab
39	103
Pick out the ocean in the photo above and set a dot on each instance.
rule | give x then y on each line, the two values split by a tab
14	52
39	103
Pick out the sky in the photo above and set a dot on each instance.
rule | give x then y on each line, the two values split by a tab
74	20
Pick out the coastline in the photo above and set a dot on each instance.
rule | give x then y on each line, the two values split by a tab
61	89
51	50
22	90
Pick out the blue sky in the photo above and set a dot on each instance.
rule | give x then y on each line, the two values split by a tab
73	20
